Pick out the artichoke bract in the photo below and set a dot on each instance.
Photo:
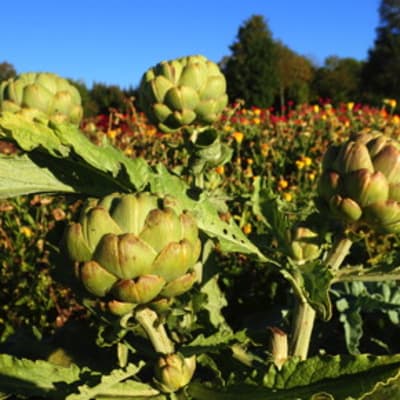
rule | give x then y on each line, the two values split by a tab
360	182
42	95
132	249
188	90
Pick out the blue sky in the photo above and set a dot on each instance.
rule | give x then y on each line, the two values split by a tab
115	42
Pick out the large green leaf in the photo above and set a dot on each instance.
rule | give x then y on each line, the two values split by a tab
35	378
319	378
72	163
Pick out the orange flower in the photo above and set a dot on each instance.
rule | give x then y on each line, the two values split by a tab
220	170
247	229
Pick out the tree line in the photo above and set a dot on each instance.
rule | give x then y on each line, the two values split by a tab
264	72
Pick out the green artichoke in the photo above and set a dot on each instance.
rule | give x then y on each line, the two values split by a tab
188	90
173	372
304	244
360	182
134	249
42	95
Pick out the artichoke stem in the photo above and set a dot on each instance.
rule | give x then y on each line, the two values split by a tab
305	315
302	329
156	333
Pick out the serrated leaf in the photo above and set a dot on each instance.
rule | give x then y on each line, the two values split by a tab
113	384
362	377
39	378
216	301
221	339
20	175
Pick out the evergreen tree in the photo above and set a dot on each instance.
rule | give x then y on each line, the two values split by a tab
251	69
381	74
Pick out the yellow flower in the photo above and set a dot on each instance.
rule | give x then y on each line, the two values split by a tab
112	133
257	111
316	108
128	151
256	121
393	103
238	136
350	105
287	196
311	176
247	229
300	164
26	231
283	183
307	161
396	120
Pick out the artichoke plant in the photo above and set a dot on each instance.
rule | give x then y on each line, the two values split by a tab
184	91
134	249
360	182
42	95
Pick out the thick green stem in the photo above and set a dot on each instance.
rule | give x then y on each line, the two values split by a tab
156	333
305	314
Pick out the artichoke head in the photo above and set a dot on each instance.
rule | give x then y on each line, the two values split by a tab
43	95
304	244
134	249
173	372
188	90
360	182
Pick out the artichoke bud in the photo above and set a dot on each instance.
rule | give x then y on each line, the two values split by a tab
173	372
134	249
304	245
360	181
47	93
181	92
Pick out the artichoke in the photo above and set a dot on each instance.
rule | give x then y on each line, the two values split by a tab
304	244
42	95
173	372
360	182
188	90
134	249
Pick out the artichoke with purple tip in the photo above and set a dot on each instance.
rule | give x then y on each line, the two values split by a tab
133	249
43	95
360	182
184	91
